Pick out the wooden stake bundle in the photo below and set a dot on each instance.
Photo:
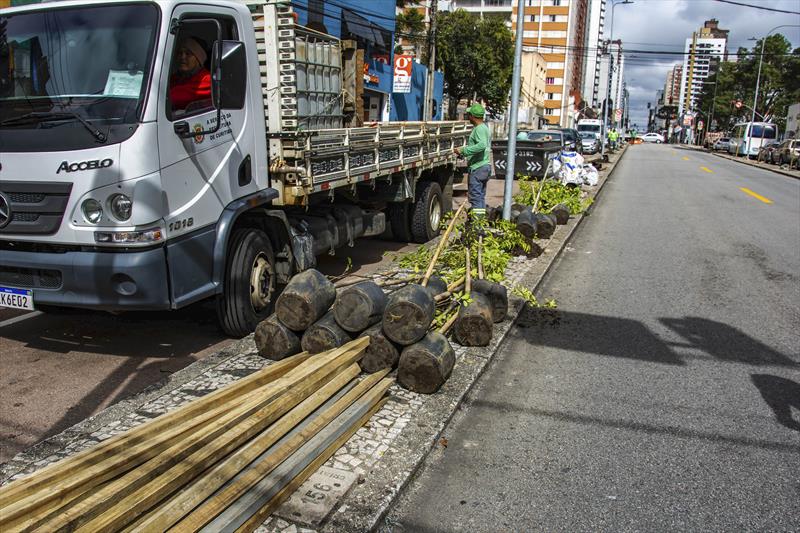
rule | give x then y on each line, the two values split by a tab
264	405
252	507
410	310
20	497
368	390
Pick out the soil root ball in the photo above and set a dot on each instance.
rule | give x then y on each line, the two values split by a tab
381	352
497	294
436	285
408	314
324	334
545	225
359	306
305	299
526	223
425	366
561	212
474	324
274	340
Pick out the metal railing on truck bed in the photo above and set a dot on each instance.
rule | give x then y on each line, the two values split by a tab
311	151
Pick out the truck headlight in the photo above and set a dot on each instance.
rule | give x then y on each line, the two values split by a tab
121	207
92	210
129	237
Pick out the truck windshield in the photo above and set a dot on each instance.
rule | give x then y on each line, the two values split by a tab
82	68
592	128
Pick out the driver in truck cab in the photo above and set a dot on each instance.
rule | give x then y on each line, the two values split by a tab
190	85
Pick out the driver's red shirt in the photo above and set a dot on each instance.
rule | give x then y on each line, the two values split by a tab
184	91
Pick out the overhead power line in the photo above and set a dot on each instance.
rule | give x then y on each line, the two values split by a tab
759	7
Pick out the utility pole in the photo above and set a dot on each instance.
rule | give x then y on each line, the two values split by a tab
512	131
427	108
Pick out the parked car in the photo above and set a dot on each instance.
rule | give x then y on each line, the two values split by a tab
722	144
571	139
765	152
787	153
652	138
589	142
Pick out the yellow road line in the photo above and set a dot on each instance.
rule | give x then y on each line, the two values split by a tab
755	195
685	158
707	170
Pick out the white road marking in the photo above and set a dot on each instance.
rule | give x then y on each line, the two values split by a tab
20	318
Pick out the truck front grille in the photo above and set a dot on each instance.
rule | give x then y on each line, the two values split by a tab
36	208
30	278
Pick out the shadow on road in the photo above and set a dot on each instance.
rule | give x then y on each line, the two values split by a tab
684	433
724	342
631	339
781	395
602	335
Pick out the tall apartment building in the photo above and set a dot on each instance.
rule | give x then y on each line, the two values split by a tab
591	63
672	86
557	29
534	88
704	50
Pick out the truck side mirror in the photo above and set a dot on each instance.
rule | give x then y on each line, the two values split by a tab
232	89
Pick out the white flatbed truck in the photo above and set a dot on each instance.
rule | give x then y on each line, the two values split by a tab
112	199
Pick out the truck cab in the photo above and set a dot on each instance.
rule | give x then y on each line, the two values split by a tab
135	163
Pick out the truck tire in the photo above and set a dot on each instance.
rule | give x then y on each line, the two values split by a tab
248	295
427	211
400	220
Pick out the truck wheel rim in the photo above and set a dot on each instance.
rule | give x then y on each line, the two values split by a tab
260	283
435	214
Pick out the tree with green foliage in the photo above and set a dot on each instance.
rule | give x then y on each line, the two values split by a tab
410	24
477	57
779	86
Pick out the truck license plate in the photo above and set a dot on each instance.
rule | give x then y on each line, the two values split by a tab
16	298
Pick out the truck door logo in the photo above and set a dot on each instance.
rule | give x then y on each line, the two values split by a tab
84	165
197	137
5	211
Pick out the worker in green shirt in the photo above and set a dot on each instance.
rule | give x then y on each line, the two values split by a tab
477	153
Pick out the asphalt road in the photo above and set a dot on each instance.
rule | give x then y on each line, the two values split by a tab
664	394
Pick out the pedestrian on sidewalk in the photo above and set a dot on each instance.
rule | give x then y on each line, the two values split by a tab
477	153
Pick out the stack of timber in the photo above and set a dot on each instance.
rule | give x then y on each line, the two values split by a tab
223	462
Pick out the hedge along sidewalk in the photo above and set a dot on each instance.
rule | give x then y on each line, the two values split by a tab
367	474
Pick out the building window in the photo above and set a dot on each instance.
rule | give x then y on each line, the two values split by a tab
552	18
549	81
556	2
548	111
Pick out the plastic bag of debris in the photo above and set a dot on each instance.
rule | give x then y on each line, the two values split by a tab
590	175
572	168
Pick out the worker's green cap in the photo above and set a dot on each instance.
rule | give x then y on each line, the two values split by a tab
476	110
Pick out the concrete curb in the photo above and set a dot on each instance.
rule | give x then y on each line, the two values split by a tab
369	503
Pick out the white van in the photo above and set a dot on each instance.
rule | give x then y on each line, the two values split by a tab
593	126
747	137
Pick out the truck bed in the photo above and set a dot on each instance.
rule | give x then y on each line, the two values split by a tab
304	95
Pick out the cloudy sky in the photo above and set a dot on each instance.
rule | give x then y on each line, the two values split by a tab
665	25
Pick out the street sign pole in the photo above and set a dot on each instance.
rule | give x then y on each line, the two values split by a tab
512	132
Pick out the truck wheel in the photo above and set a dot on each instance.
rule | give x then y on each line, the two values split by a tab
400	220
248	296
427	211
